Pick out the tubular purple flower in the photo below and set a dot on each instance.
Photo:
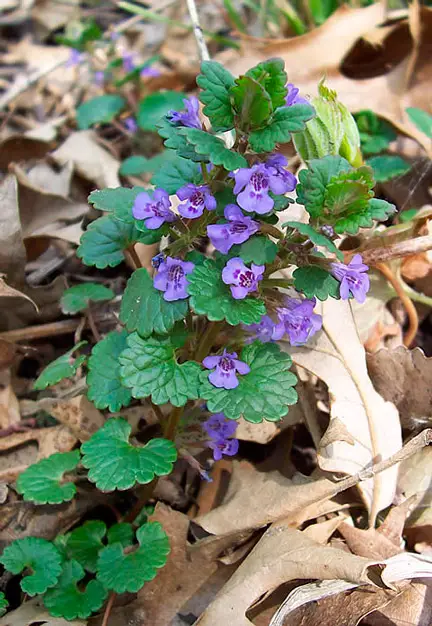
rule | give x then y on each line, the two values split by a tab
293	97
219	427
151	72
229	447
128	62
242	279
75	58
198	198
224	368
190	117
284	178
131	125
299	320
352	278
253	185
99	78
238	229
267	330
171	278
155	210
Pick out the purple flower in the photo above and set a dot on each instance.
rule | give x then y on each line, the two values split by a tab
99	78
131	125
157	260
197	199
299	320
188	118
238	230
293	97
242	279
171	278
75	58
155	211
352	278
280	176
254	183
219	427
267	330
149	71
223	446
128	62
226	367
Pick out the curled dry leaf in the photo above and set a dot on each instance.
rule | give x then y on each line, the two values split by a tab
363	426
33	612
9	292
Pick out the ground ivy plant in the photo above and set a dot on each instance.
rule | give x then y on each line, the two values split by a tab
233	275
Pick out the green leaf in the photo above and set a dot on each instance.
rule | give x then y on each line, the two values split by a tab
105	388
3	603
77	298
135	165
212	298
121	533
387	167
152	108
118	201
311	189
272	76
37	554
176	141
114	463
143	308
42	482
215	82
149	368
375	133
316	282
214	148
316	238
421	119
99	110
128	572
264	393
105	240
375	209
259	250
63	367
68	601
251	102
285	121
176	173
84	543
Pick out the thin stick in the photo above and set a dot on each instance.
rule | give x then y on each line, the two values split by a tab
92	324
64	327
198	32
108	609
18	89
372	256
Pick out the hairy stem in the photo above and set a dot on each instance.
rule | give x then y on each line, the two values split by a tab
135	258
173	422
207	340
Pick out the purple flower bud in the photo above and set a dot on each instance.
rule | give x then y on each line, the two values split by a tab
99	78
293	97
229	447
197	199
243	280
157	260
219	427
238	229
352	278
226	366
171	278
155	211
128	62
281	177
151	72
131	125
267	330
188	118
254	183
75	58
327	230
299	320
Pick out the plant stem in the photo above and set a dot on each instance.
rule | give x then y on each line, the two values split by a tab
207	340
276	282
135	258
108	608
172	423
271	230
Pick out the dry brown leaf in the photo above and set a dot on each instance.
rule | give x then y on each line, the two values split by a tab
50	15
266	431
18	148
412	607
78	414
33	612
12	250
403	376
283	554
322	531
9	292
9	406
368	543
8	351
364	428
56	181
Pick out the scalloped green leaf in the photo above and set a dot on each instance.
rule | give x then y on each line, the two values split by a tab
176	141
149	367
68	601
135	165
157	104
3	603
316	282
84	543
316	238
175	173
388	166
114	463
210	296
421	119
263	394
272	76
259	250
311	190
118	201
40	556
121	533
285	121
77	298
215	82
105	388
99	110
143	308
252	102
213	148
375	133
63	367
104	242
122	572
375	209
42	482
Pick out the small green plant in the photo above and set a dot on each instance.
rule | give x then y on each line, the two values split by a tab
202	327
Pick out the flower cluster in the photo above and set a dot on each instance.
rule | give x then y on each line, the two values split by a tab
220	432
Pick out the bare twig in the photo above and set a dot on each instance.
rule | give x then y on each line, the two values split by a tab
372	256
108	608
19	88
198	32
53	329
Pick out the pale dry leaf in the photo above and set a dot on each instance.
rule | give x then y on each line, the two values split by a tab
413	607
12	250
283	554
266	431
10	414
337	357
373	312
33	612
78	414
368	543
56	181
50	16
9	292
90	160
404	377
322	531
